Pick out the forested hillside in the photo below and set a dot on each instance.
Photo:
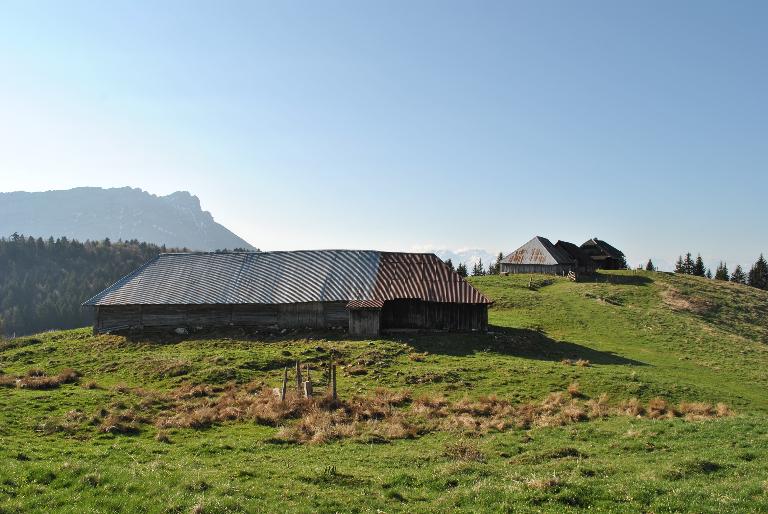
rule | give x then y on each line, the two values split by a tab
43	282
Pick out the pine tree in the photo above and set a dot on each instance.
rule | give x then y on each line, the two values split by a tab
738	275
650	266
497	266
758	275
722	272
477	269
698	268
688	264
708	274
449	263
461	269
680	265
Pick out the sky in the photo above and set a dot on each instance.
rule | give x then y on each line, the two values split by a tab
405	125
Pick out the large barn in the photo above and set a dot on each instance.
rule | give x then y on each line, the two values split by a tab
366	291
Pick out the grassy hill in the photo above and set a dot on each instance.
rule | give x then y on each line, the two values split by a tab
598	394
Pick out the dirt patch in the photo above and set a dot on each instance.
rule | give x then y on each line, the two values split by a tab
683	302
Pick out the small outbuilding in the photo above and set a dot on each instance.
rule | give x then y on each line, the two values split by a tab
366	291
604	255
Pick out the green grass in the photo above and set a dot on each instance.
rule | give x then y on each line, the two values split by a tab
644	334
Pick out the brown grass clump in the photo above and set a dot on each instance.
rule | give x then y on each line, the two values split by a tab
430	406
543	484
659	408
574	390
584	363
121	422
632	407
37	379
91	385
598	407
573	413
722	410
162	437
463	450
697	410
8	381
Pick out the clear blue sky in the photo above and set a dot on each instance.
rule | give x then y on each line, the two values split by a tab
397	125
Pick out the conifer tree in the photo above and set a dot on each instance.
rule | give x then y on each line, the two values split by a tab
738	276
461	269
688	264
478	269
708	274
650	266
758	275
680	265
449	263
698	267
722	272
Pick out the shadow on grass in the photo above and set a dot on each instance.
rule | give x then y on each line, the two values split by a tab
517	342
622	280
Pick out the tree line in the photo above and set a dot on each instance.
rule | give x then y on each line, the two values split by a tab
44	281
756	277
478	268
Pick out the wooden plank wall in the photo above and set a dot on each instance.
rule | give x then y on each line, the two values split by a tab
364	322
298	315
555	269
434	316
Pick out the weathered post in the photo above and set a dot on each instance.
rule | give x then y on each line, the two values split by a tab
298	378
285	384
333	381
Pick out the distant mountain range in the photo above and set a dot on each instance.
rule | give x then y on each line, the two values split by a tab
124	213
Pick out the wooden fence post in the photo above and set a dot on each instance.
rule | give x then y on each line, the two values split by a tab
285	384
333	381
298	378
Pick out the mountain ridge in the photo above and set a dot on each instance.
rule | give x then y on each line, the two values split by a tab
175	220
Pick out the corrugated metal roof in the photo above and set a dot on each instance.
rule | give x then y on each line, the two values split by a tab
540	251
288	277
365	304
422	276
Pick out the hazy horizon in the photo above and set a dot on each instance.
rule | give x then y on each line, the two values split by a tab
439	125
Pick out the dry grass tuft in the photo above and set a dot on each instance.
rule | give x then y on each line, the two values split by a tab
697	410
463	450
37	379
543	484
584	363
632	407
659	408
598	407
574	390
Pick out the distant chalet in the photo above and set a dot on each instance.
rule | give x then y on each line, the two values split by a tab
366	291
539	255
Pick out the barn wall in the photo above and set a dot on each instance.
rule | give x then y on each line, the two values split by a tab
556	269
364	322
418	314
297	315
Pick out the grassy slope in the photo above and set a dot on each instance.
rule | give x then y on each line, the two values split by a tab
645	335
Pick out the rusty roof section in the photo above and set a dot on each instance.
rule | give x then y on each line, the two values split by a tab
539	251
288	277
422	276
